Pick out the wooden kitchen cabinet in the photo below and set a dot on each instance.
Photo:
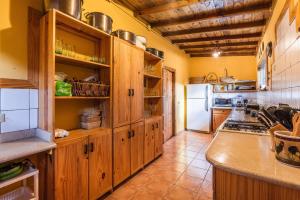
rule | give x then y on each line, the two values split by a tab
128	83
128	151
219	116
137	146
83	164
100	164
137	84
121	154
121	80
158	135
153	139
71	171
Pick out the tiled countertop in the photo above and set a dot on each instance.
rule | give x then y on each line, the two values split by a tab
24	147
250	155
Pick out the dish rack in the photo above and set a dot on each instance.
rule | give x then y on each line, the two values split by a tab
23	192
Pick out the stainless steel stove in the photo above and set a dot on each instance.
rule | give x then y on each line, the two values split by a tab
246	127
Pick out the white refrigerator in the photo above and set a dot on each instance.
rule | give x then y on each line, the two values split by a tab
199	102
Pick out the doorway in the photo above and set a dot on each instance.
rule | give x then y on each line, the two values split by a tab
169	75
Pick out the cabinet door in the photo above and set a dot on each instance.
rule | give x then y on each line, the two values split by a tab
158	137
149	142
218	119
100	163
121	83
71	168
137	146
137	84
121	154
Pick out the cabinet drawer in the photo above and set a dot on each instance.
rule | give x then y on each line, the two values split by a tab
222	111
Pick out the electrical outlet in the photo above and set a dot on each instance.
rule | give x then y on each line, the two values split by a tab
2	117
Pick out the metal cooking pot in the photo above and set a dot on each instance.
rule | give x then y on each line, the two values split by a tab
153	51
100	21
126	35
70	7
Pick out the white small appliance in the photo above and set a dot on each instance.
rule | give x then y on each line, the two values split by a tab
199	102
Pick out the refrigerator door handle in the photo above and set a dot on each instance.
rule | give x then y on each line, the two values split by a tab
206	104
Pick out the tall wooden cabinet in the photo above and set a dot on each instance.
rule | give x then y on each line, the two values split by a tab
128	83
82	162
128	110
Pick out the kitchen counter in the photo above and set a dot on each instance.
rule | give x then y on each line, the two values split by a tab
39	142
250	156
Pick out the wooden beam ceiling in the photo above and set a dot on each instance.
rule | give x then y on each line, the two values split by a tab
219	45
251	49
260	23
225	37
219	13
226	54
165	7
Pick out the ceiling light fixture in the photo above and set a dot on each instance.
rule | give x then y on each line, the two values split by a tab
217	52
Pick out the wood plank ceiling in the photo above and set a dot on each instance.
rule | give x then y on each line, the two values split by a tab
200	27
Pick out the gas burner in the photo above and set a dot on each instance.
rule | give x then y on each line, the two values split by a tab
245	127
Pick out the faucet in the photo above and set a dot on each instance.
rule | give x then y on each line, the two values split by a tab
226	72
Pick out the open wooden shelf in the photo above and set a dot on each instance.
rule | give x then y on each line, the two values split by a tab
236	91
80	26
77	97
151	57
152	76
83	63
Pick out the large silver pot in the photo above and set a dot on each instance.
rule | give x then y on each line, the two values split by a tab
126	35
100	21
70	7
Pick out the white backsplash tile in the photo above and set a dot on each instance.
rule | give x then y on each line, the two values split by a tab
33	118
34	98
14	99
15	121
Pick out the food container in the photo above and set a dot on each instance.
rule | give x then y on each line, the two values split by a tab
125	35
70	7
100	21
88	89
141	42
287	148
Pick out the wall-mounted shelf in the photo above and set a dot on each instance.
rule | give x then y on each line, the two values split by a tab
235	91
151	76
78	98
74	61
151	57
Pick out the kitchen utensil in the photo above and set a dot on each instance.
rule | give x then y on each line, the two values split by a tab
287	148
283	114
276	127
125	35
296	125
100	21
70	7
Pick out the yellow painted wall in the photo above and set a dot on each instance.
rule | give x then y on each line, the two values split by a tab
241	67
13	37
270	34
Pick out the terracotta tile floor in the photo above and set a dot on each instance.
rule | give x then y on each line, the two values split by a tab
180	173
